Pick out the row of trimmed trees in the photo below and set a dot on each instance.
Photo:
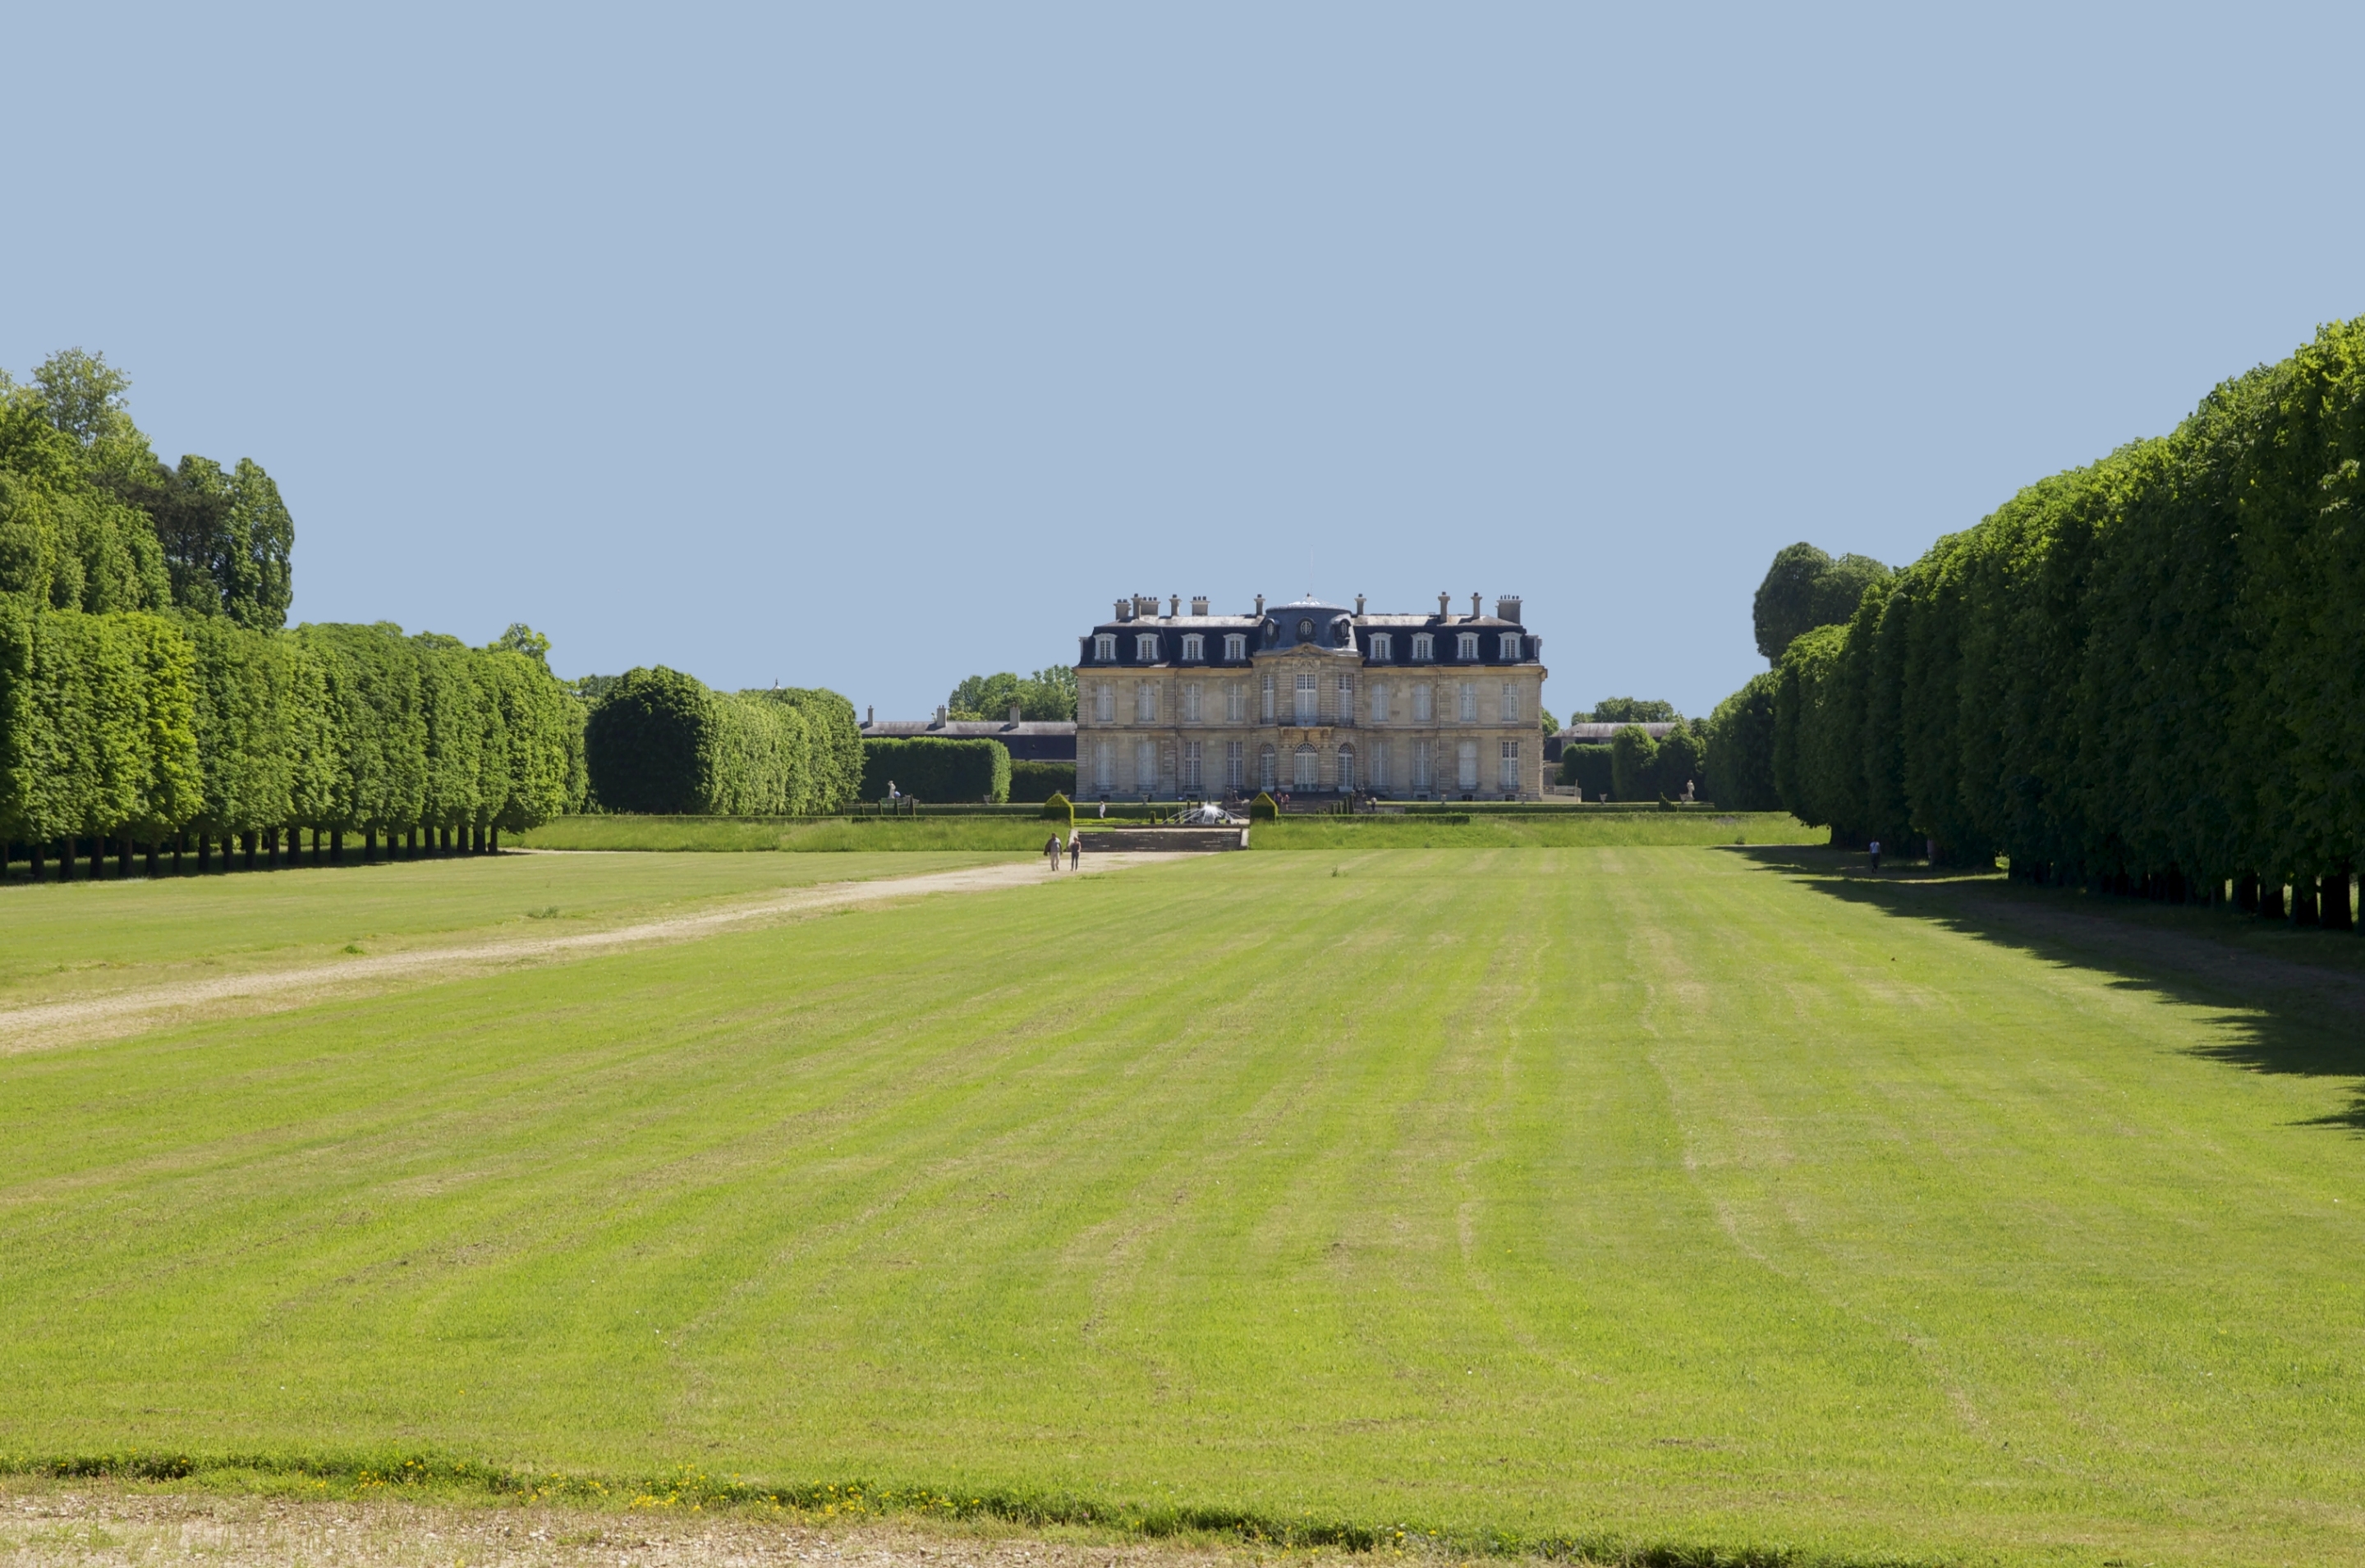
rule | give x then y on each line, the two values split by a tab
151	699
156	732
2142	675
662	741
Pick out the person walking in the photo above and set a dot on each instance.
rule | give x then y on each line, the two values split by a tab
1075	852
1876	854
1052	851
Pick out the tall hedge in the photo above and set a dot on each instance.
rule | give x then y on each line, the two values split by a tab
1740	764
662	741
944	770
2143	673
1586	767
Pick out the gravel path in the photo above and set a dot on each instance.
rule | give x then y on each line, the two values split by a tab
49	1024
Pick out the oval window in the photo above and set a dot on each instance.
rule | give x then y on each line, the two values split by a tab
1305	628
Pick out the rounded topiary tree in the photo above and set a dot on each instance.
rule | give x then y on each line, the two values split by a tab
1058	809
1263	809
645	745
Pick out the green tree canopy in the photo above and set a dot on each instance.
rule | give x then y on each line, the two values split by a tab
1805	588
1633	711
1047	694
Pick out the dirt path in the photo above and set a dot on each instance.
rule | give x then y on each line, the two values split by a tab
89	1526
51	1024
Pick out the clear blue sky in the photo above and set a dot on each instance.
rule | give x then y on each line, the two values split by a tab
870	346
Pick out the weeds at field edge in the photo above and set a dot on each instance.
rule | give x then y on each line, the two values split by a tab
690	1489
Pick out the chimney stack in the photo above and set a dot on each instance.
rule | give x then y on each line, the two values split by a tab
941	712
1174	605
871	714
1507	608
1123	610
1359	604
1145	604
1014	712
1198	604
1260	604
1442	599
1473	606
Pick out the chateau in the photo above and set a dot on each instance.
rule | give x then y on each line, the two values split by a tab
1309	698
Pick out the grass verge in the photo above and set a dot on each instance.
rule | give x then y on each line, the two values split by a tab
823	834
1608	830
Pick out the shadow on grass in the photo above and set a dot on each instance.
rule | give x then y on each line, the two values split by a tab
2291	1001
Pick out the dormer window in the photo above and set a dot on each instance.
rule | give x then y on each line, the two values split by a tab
1304	630
1466	645
1145	647
1383	646
1424	647
1235	646
1194	648
1510	643
1104	647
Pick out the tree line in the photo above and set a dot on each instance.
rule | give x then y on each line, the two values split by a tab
2141	675
660	741
150	693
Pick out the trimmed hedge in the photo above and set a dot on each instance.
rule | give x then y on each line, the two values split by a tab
660	742
1041	780
1588	769
933	770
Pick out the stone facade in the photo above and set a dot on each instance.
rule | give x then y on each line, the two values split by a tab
1309	699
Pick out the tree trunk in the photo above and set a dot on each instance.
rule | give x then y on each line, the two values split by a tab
369	845
33	853
2246	892
123	858
2303	901
336	846
152	860
246	845
493	839
2270	897
98	858
2333	909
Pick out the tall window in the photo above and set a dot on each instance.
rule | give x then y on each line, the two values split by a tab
1508	709
1422	712
1421	766
1378	768
1235	646
1511	644
1465	647
1346	709
1104	647
1379	702
1466	764
1384	646
1268	699
1236	705
1424	647
1145	767
1508	774
1105	703
1309	769
1469	709
1234	766
1145	647
1266	778
1103	764
1309	699
1190	701
1145	702
1191	765
1194	648
1346	769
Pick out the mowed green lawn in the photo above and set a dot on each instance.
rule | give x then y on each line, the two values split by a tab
1682	1195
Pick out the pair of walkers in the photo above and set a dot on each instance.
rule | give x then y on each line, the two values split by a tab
1075	851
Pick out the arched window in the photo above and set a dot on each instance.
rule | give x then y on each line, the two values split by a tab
1265	777
1383	647
1145	647
1104	647
1466	645
1309	769
1194	647
1346	768
1466	764
1424	647
1510	643
1235	646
